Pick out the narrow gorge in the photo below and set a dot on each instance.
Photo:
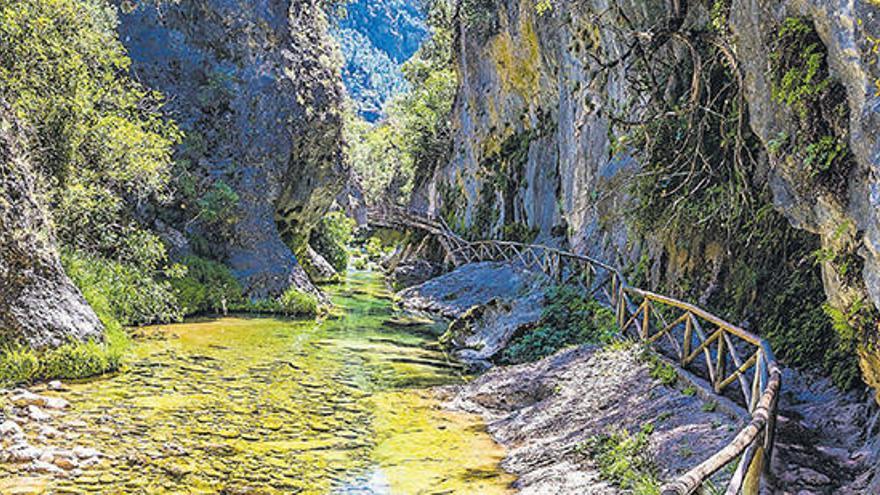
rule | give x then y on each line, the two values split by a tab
440	246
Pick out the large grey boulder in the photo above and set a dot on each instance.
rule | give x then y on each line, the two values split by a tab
254	85
39	305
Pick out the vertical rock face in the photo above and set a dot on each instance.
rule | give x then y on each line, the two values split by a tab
849	220
534	144
38	302
253	85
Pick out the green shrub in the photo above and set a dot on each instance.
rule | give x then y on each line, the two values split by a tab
625	460
662	371
99	136
121	292
207	286
375	249
75	360
297	302
567	319
18	365
331	238
293	302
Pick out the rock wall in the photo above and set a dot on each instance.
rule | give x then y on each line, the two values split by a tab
255	86
38	302
531	139
844	221
534	147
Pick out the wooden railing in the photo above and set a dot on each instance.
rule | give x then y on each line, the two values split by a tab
699	341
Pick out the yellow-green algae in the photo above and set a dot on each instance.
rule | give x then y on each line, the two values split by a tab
263	405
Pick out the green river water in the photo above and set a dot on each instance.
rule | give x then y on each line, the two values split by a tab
263	405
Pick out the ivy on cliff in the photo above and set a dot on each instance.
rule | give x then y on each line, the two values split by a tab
801	80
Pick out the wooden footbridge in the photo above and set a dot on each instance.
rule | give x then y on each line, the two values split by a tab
735	362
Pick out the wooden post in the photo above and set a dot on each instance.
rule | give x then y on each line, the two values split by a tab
646	319
688	335
752	483
719	365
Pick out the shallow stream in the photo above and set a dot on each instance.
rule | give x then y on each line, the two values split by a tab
265	405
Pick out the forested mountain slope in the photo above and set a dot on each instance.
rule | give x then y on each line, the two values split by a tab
376	38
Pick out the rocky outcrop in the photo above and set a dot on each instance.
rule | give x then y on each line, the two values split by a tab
255	87
536	148
489	302
848	220
38	303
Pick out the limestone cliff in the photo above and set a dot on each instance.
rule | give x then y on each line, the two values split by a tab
38	302
538	148
255	86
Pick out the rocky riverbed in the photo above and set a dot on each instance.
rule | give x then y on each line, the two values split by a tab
258	406
35	435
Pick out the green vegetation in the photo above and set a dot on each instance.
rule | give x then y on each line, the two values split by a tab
122	293
403	149
625	459
802	81
480	17
21	365
702	194
101	147
662	371
567	319
100	138
206	286
298	303
332	237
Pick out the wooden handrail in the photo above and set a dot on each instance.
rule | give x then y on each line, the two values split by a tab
753	444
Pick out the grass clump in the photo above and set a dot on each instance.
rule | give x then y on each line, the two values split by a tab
662	371
293	302
297	302
567	319
624	459
207	286
122	293
21	365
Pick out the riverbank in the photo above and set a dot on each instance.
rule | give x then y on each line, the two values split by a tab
548	413
555	415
